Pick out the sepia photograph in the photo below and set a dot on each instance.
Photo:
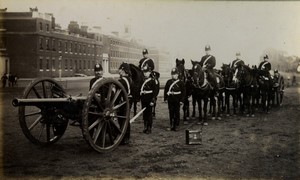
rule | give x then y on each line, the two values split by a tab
149	89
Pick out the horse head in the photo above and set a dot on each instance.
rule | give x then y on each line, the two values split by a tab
182	74
198	74
227	74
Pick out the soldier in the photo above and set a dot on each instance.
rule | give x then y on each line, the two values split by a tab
265	67
4	79
174	94
98	70
208	62
148	91
236	64
126	81
146	61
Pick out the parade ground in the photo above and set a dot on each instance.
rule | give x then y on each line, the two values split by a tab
266	146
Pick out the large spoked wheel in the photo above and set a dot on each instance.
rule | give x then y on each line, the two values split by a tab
105	115
42	124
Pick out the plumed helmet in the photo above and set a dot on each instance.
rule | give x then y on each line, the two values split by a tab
145	51
207	48
125	67
266	57
174	71
98	67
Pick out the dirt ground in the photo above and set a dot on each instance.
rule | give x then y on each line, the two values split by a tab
264	147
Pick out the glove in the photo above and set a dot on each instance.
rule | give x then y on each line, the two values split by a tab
151	104
181	103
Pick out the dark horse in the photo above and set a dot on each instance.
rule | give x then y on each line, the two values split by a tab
204	92
247	79
230	87
185	76
265	89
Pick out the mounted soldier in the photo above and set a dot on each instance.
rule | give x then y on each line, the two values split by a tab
264	67
208	62
236	64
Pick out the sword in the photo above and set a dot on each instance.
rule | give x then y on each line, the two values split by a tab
137	115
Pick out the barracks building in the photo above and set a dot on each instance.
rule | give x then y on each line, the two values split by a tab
32	45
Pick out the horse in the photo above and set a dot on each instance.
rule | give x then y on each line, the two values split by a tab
204	92
230	87
185	76
137	77
247	82
265	89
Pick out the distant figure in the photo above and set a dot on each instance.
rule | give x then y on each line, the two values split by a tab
11	80
294	80
16	80
4	79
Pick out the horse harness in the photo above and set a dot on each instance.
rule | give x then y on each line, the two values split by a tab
143	86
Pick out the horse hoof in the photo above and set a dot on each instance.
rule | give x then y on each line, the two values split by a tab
248	115
199	123
213	118
252	115
219	118
227	115
205	124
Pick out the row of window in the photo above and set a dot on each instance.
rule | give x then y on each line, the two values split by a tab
125	55
67	64
125	44
65	46
114	65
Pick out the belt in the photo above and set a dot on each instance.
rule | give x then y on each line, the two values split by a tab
147	92
174	93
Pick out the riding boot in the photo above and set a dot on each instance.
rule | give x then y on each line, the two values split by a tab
145	127
149	129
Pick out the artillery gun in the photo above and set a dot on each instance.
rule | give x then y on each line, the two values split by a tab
45	110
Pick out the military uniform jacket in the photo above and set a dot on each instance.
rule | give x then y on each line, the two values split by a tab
126	81
237	63
174	90
208	61
265	66
148	61
148	90
92	81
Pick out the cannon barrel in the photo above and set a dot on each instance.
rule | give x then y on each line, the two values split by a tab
45	101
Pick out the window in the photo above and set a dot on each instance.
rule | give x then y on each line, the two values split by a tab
53	64
79	64
59	45
47	64
79	48
47	44
89	64
59	63
75	48
53	44
47	27
75	64
71	47
66	64
41	43
66	46
84	64
83	49
71	64
41	26
41	63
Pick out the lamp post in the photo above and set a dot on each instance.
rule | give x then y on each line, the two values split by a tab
59	66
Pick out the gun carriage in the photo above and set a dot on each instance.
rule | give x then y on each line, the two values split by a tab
45	110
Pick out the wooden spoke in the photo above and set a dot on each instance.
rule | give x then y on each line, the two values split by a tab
36	93
94	123
96	135
110	133
35	123
115	97
104	135
123	117
44	89
109	93
96	113
32	114
119	105
116	125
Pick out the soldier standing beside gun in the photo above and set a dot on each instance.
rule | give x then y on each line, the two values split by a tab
126	81
174	94
148	91
98	70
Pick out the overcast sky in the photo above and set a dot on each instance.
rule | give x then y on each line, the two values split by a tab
184	28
